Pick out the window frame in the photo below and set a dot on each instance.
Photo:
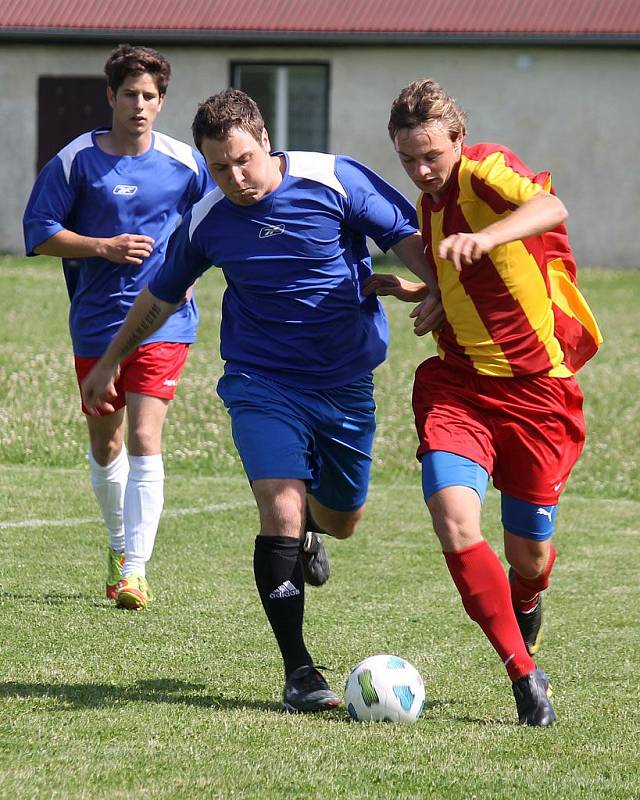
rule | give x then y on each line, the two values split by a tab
261	62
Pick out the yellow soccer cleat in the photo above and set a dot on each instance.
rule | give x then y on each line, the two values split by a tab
132	592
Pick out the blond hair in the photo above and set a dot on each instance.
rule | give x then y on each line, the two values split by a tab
424	102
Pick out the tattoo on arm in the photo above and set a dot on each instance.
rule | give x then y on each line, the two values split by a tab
142	331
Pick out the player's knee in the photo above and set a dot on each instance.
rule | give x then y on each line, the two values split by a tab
105	452
143	442
455	513
454	532
528	565
344	526
345	530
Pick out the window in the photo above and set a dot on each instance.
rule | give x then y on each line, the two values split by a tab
294	100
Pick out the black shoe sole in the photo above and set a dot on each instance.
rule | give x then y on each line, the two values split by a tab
325	705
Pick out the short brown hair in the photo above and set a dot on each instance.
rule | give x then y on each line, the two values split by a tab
423	102
221	113
126	60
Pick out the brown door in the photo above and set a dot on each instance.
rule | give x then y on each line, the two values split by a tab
67	107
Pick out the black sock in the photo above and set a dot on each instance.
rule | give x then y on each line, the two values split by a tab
277	568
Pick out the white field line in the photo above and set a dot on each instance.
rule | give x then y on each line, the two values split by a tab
171	512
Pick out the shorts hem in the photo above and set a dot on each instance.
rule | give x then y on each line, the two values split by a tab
536	499
341	508
271	477
478	459
448	484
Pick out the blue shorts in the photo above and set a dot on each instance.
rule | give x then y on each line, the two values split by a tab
441	469
323	437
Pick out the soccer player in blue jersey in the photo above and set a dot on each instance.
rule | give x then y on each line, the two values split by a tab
299	341
107	204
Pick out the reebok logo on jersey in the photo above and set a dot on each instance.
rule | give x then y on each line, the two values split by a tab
271	230
545	512
286	589
123	188
170	382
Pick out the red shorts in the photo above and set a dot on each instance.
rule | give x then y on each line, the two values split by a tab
526	432
153	370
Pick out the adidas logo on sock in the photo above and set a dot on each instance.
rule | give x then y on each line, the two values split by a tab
286	589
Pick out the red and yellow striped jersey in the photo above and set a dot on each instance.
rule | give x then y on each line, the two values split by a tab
516	311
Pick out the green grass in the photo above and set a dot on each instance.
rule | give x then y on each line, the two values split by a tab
182	701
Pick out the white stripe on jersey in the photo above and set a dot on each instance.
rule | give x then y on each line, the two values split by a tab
318	167
203	207
70	151
175	149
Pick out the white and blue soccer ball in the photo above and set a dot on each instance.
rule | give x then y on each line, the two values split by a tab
384	688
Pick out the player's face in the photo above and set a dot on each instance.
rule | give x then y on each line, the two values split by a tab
135	105
241	166
428	155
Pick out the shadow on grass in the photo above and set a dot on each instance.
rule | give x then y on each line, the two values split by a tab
499	723
341	715
102	695
72	696
55	598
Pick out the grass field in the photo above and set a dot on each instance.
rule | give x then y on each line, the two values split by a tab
182	701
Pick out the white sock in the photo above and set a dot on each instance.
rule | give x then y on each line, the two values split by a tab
109	486
143	502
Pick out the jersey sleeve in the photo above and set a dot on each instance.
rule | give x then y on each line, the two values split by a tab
184	263
50	203
374	207
202	182
500	171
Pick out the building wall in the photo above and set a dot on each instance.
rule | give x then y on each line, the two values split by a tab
572	111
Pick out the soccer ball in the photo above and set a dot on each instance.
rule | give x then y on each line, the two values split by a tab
383	688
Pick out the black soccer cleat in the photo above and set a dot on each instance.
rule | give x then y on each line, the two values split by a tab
307	691
532	693
315	561
530	624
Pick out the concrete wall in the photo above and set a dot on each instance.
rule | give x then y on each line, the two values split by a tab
573	111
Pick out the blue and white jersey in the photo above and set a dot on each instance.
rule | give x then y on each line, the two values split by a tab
87	191
294	263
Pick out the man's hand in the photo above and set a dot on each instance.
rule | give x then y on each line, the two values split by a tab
394	286
98	389
127	248
540	213
428	316
465	248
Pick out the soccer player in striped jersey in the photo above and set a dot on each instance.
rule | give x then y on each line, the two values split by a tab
299	340
499	400
107	204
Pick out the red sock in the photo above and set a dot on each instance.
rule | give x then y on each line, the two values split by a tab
526	591
484	589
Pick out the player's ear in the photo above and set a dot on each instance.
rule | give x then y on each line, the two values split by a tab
111	97
265	140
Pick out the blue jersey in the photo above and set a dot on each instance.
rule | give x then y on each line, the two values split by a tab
87	191
294	262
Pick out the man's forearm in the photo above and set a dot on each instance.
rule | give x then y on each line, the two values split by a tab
543	212
410	251
145	316
67	244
